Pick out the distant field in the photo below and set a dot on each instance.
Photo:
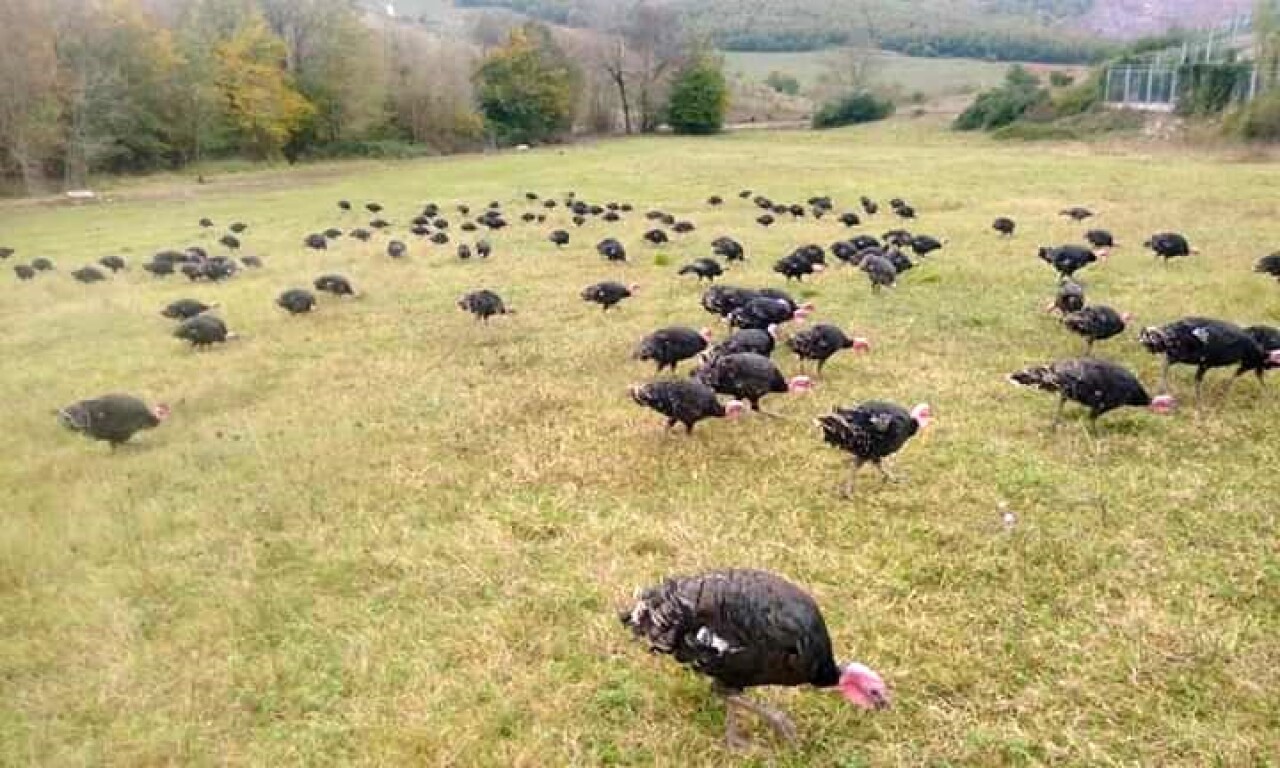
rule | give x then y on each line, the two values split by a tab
932	77
386	535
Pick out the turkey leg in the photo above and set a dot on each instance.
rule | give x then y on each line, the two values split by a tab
776	719
847	489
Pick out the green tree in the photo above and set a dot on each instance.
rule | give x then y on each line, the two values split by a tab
526	88
261	103
699	97
1001	106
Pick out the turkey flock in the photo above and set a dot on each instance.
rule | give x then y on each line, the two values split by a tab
741	628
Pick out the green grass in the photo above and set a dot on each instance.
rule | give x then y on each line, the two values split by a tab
908	74
386	535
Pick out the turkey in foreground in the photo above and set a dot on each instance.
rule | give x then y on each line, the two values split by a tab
484	304
1098	385
608	294
668	346
749	377
873	431
822	341
338	285
1204	343
112	418
684	401
744	629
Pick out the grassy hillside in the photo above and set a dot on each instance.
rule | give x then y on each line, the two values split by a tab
384	534
908	74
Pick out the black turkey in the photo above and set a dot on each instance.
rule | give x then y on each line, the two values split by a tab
611	250
337	285
722	300
728	249
41	264
869	206
1068	299
682	227
484	249
879	270
184	309
796	266
559	237
317	241
704	268
715	200
1005	226
344	205
238	227
1076	213
1098	385
923	245
159	268
230	242
203	331
296	301
484	304
850	219
373	208
113	263
206	223
656	237
464	251
89	275
397	249
1067	259
440	238
608	294
1268	338
379	224
1206	344
1096	323
1269	265
112	418
765	220
761	312
823	341
252	262
332	233
872	432
865	242
669	346
684	401
6	253
745	629
746	340
1100	239
747	376
363	235
1169	245
24	271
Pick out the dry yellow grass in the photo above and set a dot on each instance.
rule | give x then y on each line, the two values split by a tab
386	535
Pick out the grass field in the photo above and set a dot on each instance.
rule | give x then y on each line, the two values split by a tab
908	74
384	534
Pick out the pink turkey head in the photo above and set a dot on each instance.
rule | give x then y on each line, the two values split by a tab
1273	357
706	333
734	408
800	385
634	287
817	268
1104	253
1163	405
861	344
773	331
863	686
161	411
1126	317
923	415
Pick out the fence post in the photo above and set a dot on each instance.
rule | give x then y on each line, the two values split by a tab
1151	73
1173	90
1128	77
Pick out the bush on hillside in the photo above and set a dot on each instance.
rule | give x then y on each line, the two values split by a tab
1260	121
783	83
861	107
699	97
1001	106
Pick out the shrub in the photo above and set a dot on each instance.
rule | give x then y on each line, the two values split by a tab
1001	106
783	83
1060	79
699	97
1260	121
862	107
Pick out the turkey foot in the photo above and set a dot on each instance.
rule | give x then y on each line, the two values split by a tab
777	720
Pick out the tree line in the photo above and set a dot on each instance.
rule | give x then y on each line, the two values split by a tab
125	86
